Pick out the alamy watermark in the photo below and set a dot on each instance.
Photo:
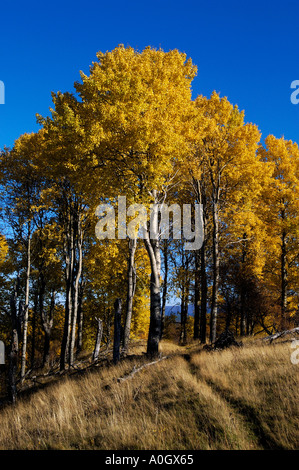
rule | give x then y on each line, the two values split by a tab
295	354
154	225
295	94
2	93
2	353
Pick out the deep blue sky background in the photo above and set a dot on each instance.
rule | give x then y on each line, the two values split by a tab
246	50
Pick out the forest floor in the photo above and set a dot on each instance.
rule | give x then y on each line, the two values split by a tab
236	399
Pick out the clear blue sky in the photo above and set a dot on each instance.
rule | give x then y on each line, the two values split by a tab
246	50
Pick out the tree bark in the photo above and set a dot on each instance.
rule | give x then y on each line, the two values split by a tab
153	248
14	345
80	317
35	309
242	294
165	285
78	236
196	296
26	307
117	331
184	309
214	303
47	322
204	294
97	347
283	303
199	188
130	292
154	334
184	298
13	366
69	268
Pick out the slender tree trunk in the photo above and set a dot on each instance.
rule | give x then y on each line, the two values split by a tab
237	322
14	344
26	308
204	295
243	312
42	288
153	249
283	305
79	241
97	347
182	316
117	331
199	188
35	309
108	319
69	269
184	310
155	318
165	285
196	296
80	317
13	366
214	303
249	324
130	292
47	321
184	298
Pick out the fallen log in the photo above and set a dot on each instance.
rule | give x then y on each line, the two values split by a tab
138	369
281	334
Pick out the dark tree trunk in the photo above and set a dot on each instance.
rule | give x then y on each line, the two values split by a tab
196	297
108	320
283	305
215	287
13	366
77	250
204	295
35	309
117	331
14	345
199	188
80	318
47	323
155	319
243	312
184	309
165	285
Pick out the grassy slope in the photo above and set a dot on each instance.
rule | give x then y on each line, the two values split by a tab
235	399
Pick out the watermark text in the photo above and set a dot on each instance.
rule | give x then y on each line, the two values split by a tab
2	93
2	353
154	226
295	94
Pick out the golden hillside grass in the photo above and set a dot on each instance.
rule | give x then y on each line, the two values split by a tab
235	399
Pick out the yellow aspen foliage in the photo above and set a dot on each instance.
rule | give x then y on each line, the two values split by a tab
281	216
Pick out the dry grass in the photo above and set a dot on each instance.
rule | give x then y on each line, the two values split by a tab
235	399
260	383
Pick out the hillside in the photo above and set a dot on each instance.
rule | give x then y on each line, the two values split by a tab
243	398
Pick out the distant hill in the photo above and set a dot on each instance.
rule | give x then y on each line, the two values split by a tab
176	309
